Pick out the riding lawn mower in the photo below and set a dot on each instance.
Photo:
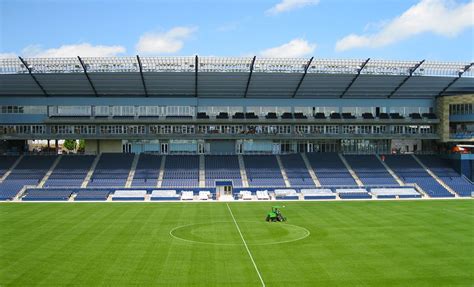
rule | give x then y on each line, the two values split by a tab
275	215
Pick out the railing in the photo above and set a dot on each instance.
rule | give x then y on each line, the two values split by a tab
465	135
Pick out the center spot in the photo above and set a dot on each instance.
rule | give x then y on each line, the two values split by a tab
225	233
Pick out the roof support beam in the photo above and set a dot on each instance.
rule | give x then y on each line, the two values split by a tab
412	70
355	78
196	66
250	76
87	76
467	67
33	76
302	77
141	75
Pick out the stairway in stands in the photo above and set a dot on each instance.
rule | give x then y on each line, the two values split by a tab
445	172
329	169
410	171
30	170
296	171
70	171
147	170
369	170
263	171
112	170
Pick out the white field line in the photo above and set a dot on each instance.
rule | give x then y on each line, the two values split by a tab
246	247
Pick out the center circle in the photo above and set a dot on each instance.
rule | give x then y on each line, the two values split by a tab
226	233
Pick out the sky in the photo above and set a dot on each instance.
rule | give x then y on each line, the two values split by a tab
336	29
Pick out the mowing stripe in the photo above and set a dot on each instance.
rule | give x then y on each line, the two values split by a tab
246	247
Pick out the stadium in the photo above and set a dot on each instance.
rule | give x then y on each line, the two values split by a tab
129	159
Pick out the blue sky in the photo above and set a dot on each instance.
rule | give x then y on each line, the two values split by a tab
383	29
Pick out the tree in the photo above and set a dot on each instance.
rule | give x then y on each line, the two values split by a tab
69	144
82	146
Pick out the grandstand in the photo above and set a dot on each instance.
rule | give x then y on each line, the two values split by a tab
207	128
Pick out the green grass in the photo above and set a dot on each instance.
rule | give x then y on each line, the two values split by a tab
383	243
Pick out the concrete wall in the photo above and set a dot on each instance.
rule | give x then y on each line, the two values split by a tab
98	146
442	108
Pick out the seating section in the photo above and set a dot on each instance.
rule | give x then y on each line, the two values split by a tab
6	162
129	195
92	194
70	171
112	170
447	174
263	195
286	194
263	170
370	170
205	195
353	193
29	171
181	171
296	170
329	169
47	195
187	195
244	195
147	171
395	192
406	167
225	167
323	193
164	195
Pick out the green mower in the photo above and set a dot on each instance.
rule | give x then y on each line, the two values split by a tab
275	215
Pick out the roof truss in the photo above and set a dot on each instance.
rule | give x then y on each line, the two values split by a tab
141	76
87	76
412	70
302	77
355	77
461	72
33	76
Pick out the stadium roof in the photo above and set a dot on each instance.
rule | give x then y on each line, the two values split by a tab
248	77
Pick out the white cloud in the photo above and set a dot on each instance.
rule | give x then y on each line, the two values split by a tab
442	17
296	48
288	5
168	42
83	50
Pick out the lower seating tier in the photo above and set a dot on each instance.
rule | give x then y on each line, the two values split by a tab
47	195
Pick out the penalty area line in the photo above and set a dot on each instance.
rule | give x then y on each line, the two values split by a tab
246	247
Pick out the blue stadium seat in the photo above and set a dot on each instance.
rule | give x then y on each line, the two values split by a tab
29	171
47	195
443	169
329	169
369	170
263	171
70	171
406	167
224	167
296	171
112	170
181	171
147	171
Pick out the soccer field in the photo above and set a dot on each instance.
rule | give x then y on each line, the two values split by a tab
382	243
